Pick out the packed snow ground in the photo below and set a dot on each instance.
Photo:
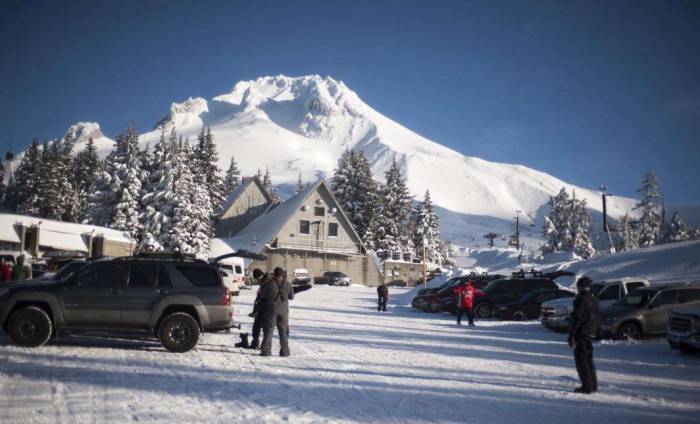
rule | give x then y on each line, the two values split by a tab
349	364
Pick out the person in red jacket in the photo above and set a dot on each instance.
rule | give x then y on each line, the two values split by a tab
5	271
466	294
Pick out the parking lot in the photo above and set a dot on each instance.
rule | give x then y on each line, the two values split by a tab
349	363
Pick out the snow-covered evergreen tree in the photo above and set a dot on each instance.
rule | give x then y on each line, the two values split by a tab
567	227
158	197
267	183
233	177
580	228
116	201
87	168
391	231
448	256
21	195
426	234
209	173
651	222
191	228
629	237
678	231
366	198
341	183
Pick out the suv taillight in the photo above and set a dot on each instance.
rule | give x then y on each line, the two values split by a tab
227	297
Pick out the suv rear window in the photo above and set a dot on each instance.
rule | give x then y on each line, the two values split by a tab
200	275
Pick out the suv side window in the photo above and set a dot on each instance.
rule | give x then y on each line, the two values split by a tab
202	276
668	297
102	275
164	278
610	293
635	285
143	275
685	296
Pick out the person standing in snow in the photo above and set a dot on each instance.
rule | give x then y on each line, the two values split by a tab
382	297
584	325
466	294
276	295
5	271
259	278
21	271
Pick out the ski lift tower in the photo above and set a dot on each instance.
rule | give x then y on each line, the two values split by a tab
491	237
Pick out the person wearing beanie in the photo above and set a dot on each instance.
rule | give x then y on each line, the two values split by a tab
583	328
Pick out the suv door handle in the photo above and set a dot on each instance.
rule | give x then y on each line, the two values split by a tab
160	291
114	291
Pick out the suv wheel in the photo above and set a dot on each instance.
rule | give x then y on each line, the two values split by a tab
434	307
30	327
519	316
483	310
179	332
629	330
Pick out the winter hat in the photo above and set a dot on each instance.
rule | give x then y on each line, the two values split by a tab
584	284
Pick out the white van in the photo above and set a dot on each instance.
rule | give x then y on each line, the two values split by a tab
233	273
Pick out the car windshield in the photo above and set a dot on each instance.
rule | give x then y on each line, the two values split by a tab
67	270
637	298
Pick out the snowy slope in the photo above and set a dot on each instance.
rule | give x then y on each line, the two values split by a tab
302	125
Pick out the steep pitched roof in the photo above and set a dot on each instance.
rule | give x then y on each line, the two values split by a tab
267	226
236	193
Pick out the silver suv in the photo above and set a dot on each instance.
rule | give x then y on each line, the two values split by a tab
684	328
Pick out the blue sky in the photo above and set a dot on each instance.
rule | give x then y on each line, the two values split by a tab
592	91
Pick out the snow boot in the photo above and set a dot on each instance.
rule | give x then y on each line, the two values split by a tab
583	390
254	344
244	341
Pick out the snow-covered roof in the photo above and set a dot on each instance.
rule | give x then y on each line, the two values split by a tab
231	199
56	234
264	228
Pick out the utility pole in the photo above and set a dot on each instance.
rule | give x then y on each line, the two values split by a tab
425	267
606	227
517	229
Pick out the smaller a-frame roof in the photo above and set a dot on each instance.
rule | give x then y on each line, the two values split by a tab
267	226
236	193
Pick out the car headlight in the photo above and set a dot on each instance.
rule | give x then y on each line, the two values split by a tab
561	310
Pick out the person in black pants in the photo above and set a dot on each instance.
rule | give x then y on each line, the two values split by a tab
276	294
382	297
584	325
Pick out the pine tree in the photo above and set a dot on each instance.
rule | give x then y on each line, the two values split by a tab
342	186
580	226
629	237
21	195
678	231
426	234
300	185
651	222
447	253
233	177
87	168
366	197
267	183
209	173
158	196
116	202
391	232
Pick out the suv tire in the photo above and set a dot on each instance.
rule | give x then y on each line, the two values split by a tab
178	332
629	331
483	310
434	307
30	327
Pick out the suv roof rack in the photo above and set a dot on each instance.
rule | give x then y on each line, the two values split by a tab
172	256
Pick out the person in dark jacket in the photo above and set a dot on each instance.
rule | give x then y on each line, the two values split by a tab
382	297
258	279
276	294
584	325
21	271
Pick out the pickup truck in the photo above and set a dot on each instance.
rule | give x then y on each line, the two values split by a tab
555	313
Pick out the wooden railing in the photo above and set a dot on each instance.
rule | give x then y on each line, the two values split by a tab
311	243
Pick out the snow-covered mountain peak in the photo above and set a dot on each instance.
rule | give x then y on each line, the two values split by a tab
184	115
81	132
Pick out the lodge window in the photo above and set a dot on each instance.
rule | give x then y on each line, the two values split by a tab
319	211
332	229
304	227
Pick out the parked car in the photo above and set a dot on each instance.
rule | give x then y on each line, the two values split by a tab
301	276
684	329
530	305
333	278
397	283
507	290
646	311
170	296
555	313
